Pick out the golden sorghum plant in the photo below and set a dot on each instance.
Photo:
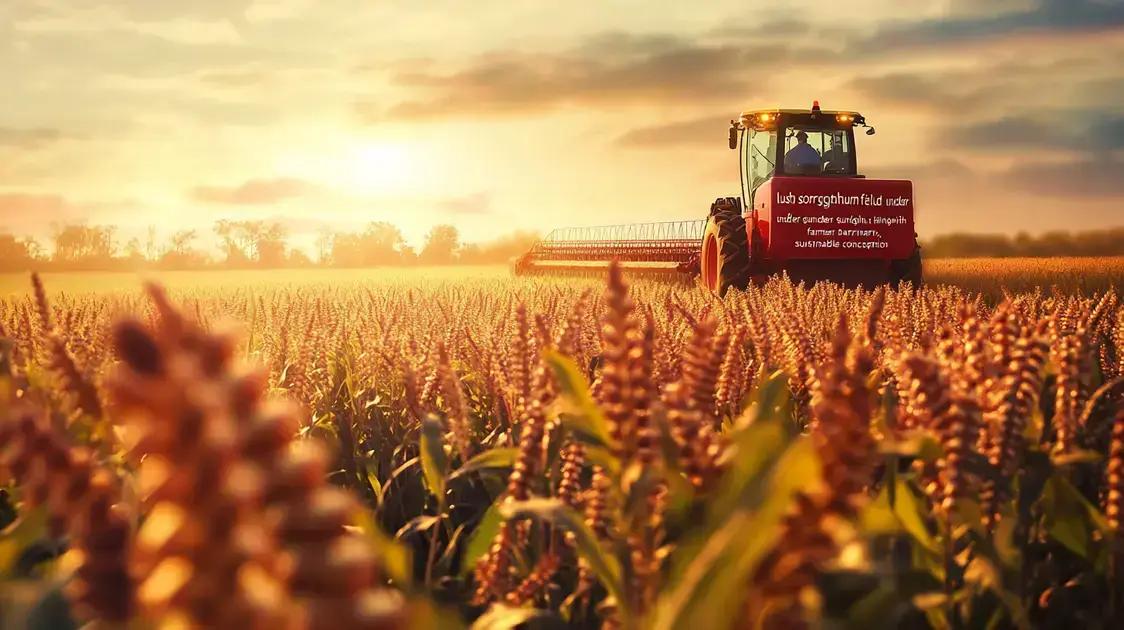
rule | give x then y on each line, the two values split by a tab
80	498
597	452
815	530
236	528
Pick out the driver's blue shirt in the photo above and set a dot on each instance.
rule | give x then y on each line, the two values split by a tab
801	156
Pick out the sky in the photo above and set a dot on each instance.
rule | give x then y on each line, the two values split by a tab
494	115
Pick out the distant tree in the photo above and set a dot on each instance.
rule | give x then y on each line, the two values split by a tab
383	242
380	243
471	253
34	249
179	254
324	246
347	250
180	242
966	245
270	246
150	247
133	251
14	254
83	244
409	255
109	237
1050	242
1108	242
441	245
297	258
251	242
230	242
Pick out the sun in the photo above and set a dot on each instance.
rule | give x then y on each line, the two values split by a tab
382	167
367	168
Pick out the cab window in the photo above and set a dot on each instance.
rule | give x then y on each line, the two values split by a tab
832	151
762	149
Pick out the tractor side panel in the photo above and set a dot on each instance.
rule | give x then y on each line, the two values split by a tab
836	218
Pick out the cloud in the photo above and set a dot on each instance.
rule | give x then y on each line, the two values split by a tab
1090	177
28	211
1094	177
935	90
152	76
1065	153
32	138
1070	75
613	69
943	169
1016	131
1087	131
1060	17
233	78
252	192
608	69
706	131
1101	90
478	203
123	52
143	10
778	27
1107	134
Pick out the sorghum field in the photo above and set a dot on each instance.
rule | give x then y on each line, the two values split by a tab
624	454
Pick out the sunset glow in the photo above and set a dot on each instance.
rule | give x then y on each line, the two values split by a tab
495	117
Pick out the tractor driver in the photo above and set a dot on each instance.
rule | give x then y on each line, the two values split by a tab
802	158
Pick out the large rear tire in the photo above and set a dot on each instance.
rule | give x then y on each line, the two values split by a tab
725	255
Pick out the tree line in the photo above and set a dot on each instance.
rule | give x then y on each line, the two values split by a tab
264	244
248	244
1105	242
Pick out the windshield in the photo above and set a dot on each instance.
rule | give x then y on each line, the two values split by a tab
763	146
812	151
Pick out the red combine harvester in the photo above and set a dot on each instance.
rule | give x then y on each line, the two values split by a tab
804	210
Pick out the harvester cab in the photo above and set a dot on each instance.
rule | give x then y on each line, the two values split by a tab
804	210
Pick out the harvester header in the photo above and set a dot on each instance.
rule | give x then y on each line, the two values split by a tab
649	246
